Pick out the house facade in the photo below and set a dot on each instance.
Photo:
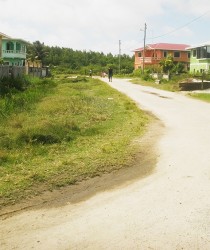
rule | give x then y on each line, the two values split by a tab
12	50
200	58
1	37
154	53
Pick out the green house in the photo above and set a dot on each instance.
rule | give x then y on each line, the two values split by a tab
200	58
13	50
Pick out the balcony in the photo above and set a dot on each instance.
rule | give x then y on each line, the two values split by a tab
147	60
13	54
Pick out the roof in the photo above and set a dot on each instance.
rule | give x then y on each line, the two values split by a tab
14	39
199	45
165	46
3	35
6	37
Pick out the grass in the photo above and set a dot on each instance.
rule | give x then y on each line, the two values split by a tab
201	96
53	135
164	85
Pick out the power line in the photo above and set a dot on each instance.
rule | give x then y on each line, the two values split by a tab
178	28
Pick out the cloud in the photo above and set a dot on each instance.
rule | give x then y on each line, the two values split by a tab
98	25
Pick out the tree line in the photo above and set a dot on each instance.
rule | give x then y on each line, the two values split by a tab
79	61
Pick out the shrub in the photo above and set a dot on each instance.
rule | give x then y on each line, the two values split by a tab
10	85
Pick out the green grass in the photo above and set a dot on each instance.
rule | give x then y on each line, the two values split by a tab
64	133
164	85
201	96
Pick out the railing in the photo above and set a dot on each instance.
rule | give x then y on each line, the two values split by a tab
148	59
19	52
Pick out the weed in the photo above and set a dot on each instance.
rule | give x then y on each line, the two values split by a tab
61	134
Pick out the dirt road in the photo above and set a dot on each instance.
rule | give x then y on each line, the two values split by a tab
169	209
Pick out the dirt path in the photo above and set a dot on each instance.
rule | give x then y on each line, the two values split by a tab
169	209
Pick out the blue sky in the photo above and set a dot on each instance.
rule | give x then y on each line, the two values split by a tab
98	25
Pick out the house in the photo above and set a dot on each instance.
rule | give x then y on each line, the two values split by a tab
2	36
13	53
154	53
12	50
200	57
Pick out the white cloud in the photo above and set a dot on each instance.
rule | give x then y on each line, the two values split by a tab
98	25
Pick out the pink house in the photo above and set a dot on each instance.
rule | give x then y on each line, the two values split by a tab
154	53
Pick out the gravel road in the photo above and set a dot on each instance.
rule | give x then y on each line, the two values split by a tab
170	209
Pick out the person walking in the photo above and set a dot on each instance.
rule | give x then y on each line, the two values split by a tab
110	74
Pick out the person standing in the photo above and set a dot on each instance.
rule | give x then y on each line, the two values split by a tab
110	74
90	73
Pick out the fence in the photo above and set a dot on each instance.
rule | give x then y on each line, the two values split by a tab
11	71
15	71
160	76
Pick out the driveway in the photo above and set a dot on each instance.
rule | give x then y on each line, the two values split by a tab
170	209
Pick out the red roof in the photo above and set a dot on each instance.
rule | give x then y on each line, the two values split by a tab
165	46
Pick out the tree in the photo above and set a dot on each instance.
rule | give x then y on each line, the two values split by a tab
78	60
179	67
167	64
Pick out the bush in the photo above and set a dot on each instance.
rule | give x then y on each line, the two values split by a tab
10	85
22	93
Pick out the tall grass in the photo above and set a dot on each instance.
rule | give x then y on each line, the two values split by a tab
19	97
63	134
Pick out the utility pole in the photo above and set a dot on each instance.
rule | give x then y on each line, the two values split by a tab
119	55
145	32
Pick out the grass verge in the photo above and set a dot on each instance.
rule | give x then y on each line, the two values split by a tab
201	96
171	85
73	130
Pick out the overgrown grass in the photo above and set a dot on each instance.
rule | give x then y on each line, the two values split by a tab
59	134
18	99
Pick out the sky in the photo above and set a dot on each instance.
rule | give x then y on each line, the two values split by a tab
108	26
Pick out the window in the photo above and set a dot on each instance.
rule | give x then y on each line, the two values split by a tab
139	54
188	54
165	53
194	53
18	46
24	48
203	52
10	46
208	51
198	53
176	54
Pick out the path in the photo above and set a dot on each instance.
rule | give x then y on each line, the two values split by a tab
169	209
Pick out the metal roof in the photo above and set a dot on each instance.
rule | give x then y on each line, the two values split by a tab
199	45
165	46
16	39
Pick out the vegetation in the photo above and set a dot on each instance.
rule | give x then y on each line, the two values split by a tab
171	85
58	132
66	60
201	96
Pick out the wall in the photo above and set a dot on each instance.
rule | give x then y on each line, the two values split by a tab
7	71
198	65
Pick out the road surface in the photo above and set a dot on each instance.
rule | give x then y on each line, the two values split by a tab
169	209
